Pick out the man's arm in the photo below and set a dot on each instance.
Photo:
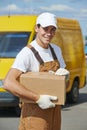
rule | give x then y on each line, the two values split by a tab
12	85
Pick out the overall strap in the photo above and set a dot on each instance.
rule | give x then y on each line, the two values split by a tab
38	57
53	53
36	54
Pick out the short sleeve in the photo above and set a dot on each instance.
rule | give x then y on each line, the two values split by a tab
22	61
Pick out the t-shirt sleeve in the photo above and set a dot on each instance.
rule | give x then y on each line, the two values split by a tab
22	61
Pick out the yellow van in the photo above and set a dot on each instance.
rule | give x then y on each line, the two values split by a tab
17	31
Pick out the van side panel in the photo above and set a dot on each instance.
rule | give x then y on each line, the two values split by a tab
69	38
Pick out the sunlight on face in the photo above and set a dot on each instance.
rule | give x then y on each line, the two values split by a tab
45	35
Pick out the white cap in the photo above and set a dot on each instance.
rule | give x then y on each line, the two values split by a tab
47	19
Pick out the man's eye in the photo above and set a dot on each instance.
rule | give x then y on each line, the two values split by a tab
46	29
54	30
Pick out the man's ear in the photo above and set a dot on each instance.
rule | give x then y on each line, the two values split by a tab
36	28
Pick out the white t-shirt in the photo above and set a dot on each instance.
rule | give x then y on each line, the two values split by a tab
26	61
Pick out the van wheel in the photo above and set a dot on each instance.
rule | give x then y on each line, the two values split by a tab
73	95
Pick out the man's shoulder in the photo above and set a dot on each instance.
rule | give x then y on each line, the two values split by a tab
55	46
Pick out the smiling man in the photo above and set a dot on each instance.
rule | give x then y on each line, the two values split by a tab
39	56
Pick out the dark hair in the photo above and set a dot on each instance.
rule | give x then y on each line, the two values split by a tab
38	25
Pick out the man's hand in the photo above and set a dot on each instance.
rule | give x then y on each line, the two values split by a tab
62	71
45	101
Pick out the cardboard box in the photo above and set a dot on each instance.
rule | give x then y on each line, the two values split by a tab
45	83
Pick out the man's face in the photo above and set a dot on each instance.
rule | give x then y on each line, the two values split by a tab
45	35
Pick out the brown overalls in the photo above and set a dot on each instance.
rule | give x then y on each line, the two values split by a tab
32	116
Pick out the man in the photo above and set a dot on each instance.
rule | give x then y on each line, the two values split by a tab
40	55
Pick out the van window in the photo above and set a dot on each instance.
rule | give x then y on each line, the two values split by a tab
12	43
85	48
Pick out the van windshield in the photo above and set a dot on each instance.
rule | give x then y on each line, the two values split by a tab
12	43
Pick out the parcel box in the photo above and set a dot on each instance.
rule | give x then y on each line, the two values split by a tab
45	83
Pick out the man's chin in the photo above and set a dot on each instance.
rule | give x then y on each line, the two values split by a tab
47	42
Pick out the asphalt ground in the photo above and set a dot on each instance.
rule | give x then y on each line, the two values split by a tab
74	116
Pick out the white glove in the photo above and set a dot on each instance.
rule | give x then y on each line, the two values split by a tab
62	71
45	102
